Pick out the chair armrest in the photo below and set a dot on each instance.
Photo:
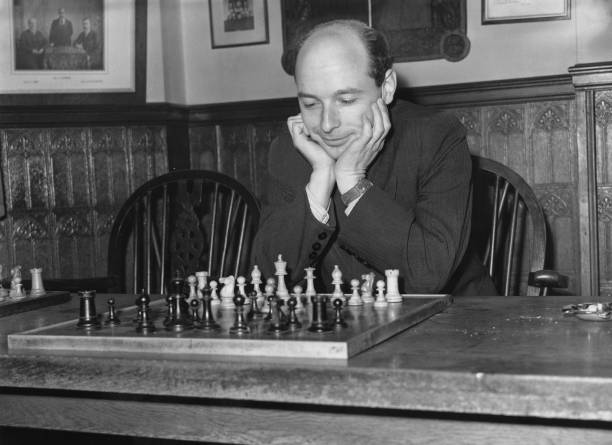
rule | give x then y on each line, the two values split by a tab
547	278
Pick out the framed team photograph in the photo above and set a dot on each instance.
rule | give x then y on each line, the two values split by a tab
513	11
238	22
72	51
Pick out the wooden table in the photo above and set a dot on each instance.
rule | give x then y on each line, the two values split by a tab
487	370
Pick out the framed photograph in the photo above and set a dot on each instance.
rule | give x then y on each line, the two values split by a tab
61	52
238	22
512	11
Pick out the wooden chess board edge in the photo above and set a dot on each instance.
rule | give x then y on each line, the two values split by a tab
29	303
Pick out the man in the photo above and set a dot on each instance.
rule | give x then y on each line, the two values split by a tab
61	30
363	186
31	48
88	41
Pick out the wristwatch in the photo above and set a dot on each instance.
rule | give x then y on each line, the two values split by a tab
356	191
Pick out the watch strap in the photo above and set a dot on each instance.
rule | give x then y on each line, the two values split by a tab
356	191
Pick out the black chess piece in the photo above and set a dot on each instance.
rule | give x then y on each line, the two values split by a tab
88	318
278	323
319	314
195	316
145	325
240	324
207	322
294	323
339	318
112	319
270	299
255	309
179	318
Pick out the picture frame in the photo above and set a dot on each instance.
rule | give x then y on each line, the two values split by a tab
238	23
71	71
516	11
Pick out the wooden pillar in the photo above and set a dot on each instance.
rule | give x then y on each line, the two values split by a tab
588	80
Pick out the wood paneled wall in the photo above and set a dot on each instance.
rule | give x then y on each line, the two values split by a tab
64	182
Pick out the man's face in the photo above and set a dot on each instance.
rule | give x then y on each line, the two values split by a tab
61	12
86	25
32	25
335	91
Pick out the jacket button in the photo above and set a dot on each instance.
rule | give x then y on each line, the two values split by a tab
316	246
322	235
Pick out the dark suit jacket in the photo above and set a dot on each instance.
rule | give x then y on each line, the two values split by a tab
60	35
416	217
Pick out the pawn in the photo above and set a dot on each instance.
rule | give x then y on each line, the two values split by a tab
355	299
269	292
270	307
192	283
240	325
293	322
297	291
278	322
339	319
195	316
241	283
145	325
112	319
255	305
207	322
214	296
381	300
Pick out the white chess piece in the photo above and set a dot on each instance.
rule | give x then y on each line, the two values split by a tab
381	301
241	282
38	289
367	288
269	290
337	282
310	289
280	272
355	299
227	292
214	297
192	282
202	277
256	282
393	294
297	291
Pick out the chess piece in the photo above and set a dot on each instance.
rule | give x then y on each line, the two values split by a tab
192	281
4	293
293	322
270	298
310	289
256	282
297	291
145	325
16	292
240	326
278	321
214	297
37	290
339	319
202	277
337	282
393	294
88	318
255	306
280	272
195	316
207	322
319	314
227	292
179	320
241	282
381	301
170	309
367	288
355	299
269	291
112	319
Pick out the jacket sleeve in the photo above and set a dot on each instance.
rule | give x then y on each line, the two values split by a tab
425	239
287	226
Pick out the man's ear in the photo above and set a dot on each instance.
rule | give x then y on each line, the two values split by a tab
388	86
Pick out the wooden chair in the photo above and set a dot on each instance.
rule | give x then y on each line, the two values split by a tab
509	231
183	221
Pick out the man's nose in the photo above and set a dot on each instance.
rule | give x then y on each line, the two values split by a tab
329	119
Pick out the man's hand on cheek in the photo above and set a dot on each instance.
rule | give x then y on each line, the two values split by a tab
351	166
302	140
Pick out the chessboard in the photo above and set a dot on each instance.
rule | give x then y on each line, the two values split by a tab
10	306
360	328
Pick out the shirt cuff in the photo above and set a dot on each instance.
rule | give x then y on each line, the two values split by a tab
350	207
320	213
